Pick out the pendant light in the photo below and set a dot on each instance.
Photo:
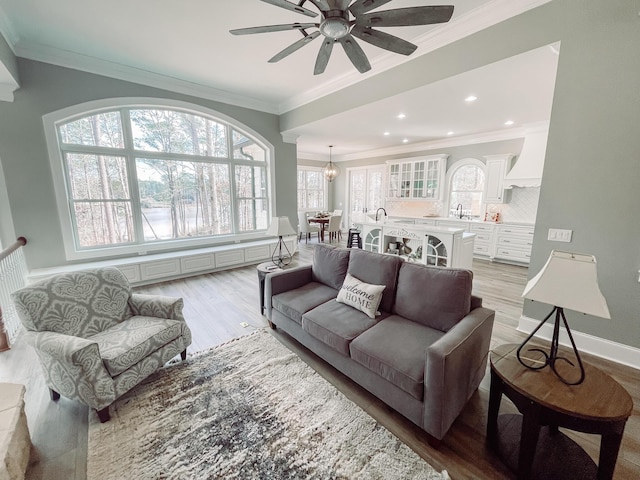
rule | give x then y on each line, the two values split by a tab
330	170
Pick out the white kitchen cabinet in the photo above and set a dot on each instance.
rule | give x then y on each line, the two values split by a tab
371	237
514	243
485	237
497	167
419	178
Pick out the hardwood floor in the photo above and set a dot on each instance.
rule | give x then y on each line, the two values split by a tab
215	306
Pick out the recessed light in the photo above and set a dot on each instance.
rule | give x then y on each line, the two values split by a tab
509	123
449	133
471	98
401	116
405	140
386	134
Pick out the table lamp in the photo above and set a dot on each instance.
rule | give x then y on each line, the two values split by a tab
279	227
567	280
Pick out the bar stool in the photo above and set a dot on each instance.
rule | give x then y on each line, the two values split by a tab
354	238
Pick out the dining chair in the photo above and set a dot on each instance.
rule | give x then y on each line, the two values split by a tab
306	228
334	227
337	212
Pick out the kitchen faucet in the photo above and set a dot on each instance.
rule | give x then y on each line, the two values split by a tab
459	207
377	211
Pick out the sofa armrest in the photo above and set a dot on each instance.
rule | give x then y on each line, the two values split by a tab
283	281
455	365
72	366
476	302
157	306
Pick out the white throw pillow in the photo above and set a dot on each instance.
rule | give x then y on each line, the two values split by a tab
362	296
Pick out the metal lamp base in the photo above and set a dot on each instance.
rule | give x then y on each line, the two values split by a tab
281	260
552	357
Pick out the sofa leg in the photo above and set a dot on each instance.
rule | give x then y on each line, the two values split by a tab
433	441
55	396
183	354
103	415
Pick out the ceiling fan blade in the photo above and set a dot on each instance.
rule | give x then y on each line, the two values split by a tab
322	5
272	28
291	6
323	55
402	17
363	6
355	53
293	47
383	40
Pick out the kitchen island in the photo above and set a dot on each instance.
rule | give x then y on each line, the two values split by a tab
426	244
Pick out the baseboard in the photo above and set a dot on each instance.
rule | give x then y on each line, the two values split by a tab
616	352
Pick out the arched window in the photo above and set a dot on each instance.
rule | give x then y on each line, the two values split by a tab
137	177
466	187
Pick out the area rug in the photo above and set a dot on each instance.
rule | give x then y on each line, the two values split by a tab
249	409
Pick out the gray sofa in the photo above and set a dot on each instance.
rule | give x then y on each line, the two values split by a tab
424	354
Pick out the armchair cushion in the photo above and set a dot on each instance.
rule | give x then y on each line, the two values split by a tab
126	343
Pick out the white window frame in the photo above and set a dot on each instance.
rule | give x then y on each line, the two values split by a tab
463	163
325	187
51	123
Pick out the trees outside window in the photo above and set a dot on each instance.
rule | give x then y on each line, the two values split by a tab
312	190
142	175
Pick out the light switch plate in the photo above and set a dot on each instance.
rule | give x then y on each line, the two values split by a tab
559	235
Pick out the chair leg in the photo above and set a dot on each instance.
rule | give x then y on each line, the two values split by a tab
183	354
103	415
55	396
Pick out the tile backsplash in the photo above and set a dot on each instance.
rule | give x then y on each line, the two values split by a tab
522	207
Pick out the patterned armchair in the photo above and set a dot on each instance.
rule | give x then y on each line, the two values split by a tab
95	339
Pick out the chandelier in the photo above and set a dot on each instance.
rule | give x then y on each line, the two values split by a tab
330	170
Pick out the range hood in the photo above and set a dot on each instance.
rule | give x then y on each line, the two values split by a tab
527	171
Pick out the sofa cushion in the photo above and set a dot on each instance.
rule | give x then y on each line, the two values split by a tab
294	303
330	265
128	342
376	269
395	348
336	324
436	297
360	295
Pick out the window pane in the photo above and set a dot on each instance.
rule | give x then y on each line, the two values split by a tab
177	132
245	148
103	129
103	223
97	177
183	199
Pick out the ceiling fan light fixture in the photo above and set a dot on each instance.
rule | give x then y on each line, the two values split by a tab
335	27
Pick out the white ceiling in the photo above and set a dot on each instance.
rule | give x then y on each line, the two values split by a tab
188	42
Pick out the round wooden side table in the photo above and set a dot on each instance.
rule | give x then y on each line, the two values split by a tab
599	405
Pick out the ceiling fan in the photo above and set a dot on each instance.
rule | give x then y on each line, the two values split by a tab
343	20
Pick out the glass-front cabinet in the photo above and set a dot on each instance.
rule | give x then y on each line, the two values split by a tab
371	238
417	178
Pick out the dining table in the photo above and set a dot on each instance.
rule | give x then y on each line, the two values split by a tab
323	222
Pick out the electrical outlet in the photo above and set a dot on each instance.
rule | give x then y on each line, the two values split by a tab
559	235
244	324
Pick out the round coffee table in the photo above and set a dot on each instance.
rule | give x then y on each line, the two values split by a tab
599	405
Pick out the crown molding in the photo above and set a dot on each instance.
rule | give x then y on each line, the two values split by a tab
471	22
85	63
6	92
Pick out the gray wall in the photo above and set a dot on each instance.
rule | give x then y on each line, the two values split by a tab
23	150
8	59
592	170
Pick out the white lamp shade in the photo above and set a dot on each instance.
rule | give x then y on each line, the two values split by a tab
569	280
280	226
